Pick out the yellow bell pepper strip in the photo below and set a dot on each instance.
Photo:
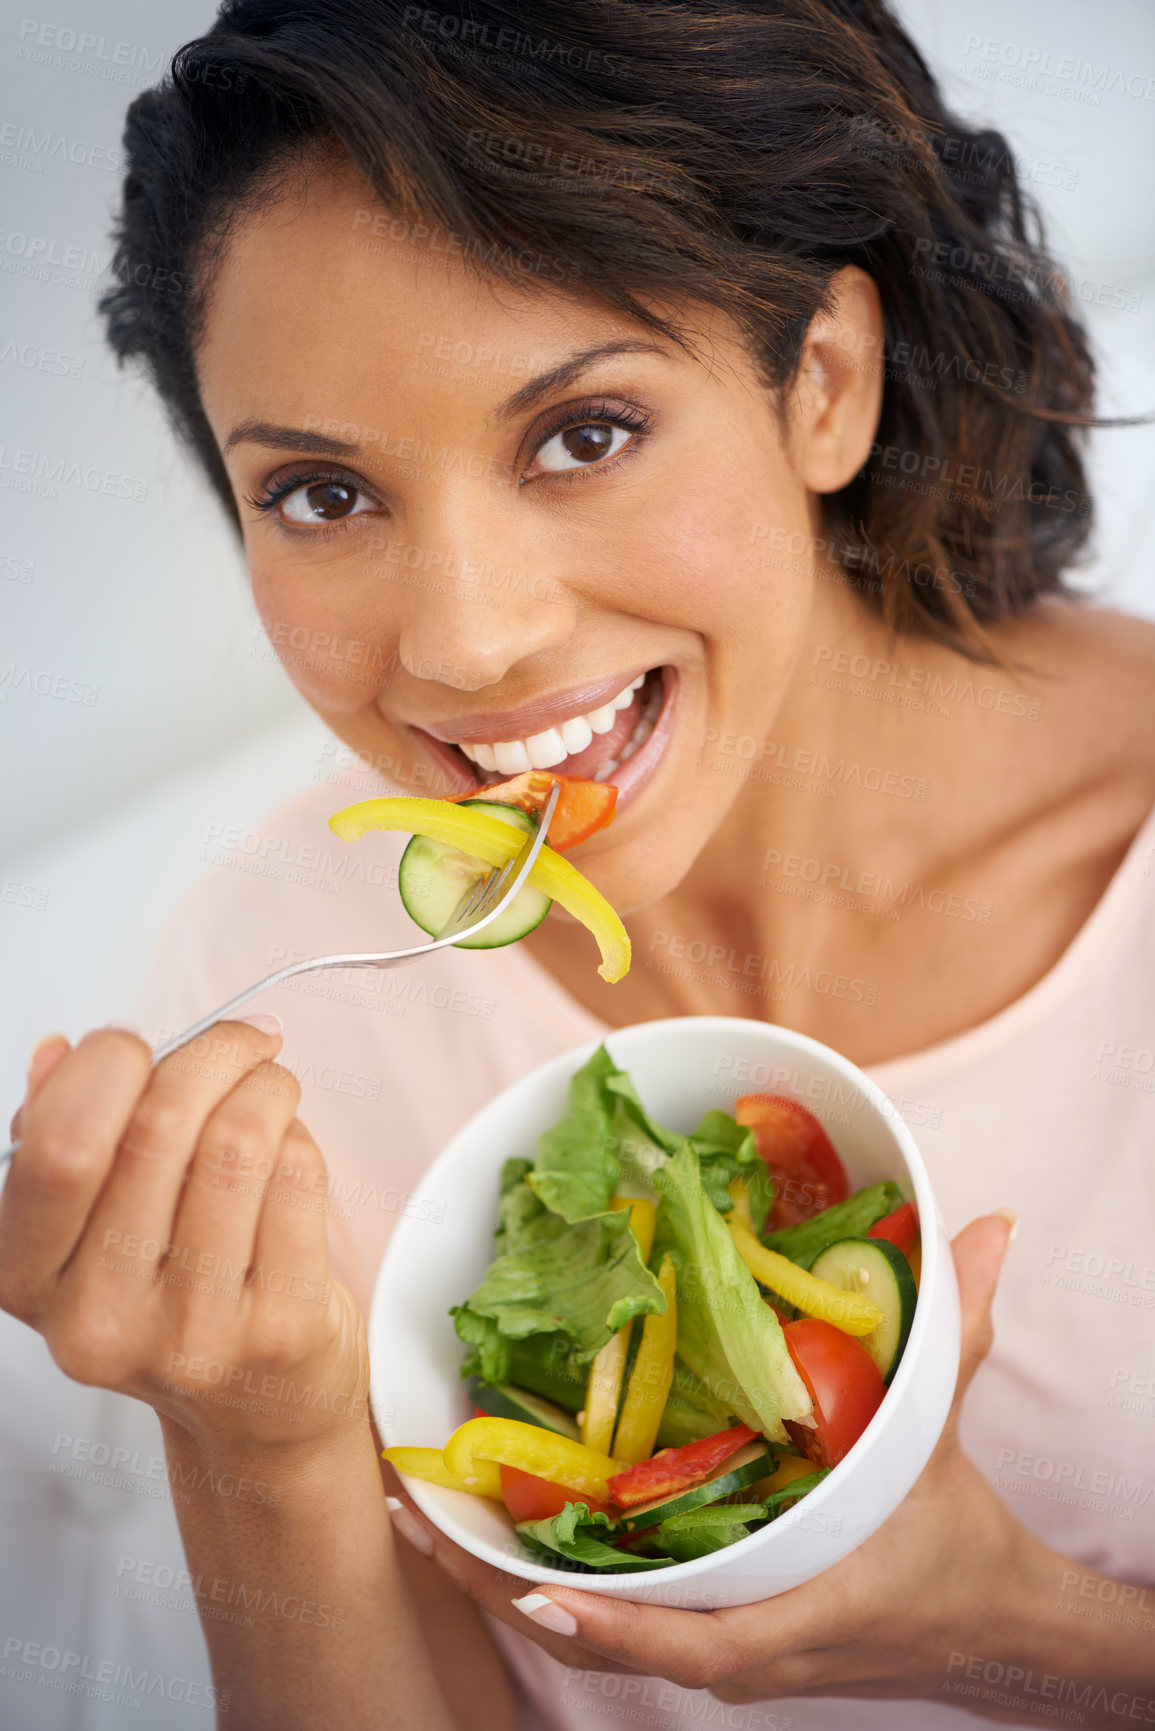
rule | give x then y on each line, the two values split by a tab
652	1375
608	1368
534	1450
643	1219
483	1479
853	1315
603	1389
789	1468
494	841
914	1257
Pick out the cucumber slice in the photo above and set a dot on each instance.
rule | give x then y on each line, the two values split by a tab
433	877
746	1465
877	1270
502	1400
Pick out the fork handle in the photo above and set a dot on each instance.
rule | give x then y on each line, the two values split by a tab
224	1011
524	862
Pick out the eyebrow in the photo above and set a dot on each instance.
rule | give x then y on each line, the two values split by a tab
286	439
566	372
278	438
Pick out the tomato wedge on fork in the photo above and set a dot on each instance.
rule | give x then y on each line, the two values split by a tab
583	808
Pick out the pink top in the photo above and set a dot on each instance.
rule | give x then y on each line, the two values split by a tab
1048	1106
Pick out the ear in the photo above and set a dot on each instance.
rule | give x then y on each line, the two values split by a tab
838	396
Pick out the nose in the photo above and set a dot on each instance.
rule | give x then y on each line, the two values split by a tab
474	591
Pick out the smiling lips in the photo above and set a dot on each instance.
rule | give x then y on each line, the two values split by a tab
592	744
569	739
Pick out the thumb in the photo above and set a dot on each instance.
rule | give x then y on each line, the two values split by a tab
978	1252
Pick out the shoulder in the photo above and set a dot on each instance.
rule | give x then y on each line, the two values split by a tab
1094	669
1082	778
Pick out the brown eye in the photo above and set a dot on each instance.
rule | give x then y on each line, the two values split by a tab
586	444
578	447
323	502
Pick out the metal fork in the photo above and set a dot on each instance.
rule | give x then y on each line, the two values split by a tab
477	909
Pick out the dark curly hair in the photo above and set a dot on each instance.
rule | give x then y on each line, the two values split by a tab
735	153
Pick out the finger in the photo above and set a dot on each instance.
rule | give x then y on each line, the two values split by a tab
690	1648
71	1129
978	1252
212	1235
290	1257
46	1054
133	1217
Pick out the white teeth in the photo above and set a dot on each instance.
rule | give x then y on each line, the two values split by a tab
545	749
511	757
576	733
555	744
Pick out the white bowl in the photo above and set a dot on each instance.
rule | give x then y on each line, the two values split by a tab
442	1249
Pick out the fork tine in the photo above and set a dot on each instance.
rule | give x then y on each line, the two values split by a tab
484	898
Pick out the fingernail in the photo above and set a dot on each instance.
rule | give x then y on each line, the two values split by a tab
1012	1220
46	1054
264	1024
546	1614
411	1531
122	1028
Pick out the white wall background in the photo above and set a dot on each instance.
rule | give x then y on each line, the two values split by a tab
141	606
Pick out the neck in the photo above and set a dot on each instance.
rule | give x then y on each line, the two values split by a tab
873	731
893	770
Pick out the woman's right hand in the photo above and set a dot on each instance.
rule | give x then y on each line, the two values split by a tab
164	1230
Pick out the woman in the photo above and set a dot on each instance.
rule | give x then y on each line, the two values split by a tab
534	353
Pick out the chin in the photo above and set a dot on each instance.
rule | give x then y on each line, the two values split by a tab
636	873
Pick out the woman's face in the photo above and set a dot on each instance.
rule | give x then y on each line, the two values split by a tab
463	536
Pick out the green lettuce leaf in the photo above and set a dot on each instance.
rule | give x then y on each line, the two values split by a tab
516	1208
583	1278
779	1500
606	1135
577	1170
729	1338
700	1531
566	1272
488	1357
726	1150
573	1535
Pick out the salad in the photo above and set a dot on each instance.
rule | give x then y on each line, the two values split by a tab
456	842
678	1337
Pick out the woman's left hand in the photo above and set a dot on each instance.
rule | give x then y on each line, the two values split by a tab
883	1623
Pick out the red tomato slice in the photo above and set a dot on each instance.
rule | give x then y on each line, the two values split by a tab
899	1228
842	1380
529	1498
583	808
808	1175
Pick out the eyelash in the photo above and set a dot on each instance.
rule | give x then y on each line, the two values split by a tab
591	410
596	410
286	484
